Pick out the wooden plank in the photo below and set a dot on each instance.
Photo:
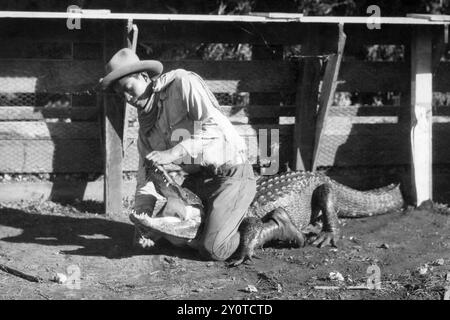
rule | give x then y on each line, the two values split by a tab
42	113
106	15
366	76
239	112
59	156
242	76
349	128
38	130
342	126
114	39
362	151
47	155
421	113
78	149
60	191
306	103
327	93
258	111
382	111
50	156
357	129
366	111
130	39
221	76
243	130
343	122
29	76
378	150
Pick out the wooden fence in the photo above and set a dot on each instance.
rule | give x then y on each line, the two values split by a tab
49	124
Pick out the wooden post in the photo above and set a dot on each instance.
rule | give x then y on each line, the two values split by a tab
327	92
421	114
130	40
114	34
306	101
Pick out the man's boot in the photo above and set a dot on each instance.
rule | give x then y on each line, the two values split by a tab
255	232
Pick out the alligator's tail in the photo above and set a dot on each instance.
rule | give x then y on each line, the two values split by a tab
352	203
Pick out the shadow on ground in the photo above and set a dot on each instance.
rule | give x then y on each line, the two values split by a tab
95	236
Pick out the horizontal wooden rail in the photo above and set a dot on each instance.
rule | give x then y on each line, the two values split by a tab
31	76
75	147
50	156
26	113
38	130
368	76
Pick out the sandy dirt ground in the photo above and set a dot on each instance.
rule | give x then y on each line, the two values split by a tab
411	249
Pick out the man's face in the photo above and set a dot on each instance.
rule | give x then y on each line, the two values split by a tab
133	88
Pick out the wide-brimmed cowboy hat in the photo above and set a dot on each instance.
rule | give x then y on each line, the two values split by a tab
126	62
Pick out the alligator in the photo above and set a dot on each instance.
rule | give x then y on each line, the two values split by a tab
291	206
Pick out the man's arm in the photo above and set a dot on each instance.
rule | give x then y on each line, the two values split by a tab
197	100
145	195
168	156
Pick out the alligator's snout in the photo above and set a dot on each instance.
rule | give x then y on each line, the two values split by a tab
168	188
180	218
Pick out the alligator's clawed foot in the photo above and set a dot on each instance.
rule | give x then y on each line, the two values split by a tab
243	260
325	239
250	230
312	229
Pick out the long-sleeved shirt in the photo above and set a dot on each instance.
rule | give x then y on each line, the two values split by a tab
183	106
187	111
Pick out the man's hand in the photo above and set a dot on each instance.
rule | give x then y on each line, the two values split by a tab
162	157
167	156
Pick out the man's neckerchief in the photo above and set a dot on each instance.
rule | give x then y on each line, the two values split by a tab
148	116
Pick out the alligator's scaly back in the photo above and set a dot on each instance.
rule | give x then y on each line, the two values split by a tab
352	203
291	191
294	191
